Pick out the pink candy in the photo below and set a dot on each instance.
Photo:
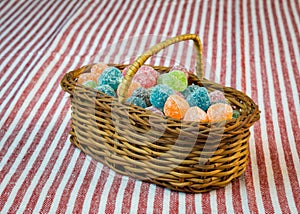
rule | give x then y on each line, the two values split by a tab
195	114
145	75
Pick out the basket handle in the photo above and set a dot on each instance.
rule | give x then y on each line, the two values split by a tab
133	68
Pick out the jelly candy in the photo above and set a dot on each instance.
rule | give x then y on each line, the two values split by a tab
134	85
199	98
85	77
142	93
235	114
195	114
176	80
217	97
179	68
98	68
110	76
106	89
189	90
146	76
159	95
176	106
136	101
155	110
219	112
90	83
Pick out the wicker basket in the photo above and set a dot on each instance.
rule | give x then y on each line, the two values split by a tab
179	155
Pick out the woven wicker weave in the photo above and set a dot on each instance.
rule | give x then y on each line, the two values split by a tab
182	156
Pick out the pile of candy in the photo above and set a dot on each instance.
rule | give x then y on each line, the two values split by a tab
166	94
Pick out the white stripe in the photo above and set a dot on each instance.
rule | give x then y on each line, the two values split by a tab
35	154
32	50
42	16
92	187
136	196
228	198
151	195
292	35
282	162
17	17
238	64
203	19
213	201
261	96
166	202
198	203
121	194
46	160
56	169
248	76
289	70
8	11
210	40
64	181
181	202
218	57
106	189
22	109
75	191
244	194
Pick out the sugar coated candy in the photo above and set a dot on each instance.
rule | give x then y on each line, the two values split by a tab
176	107
217	97
181	68
142	93
110	76
136	101
85	77
133	85
146	76
98	68
176	80
219	112
189	90
236	114
195	114
90	83
159	95
155	110
199	98
106	89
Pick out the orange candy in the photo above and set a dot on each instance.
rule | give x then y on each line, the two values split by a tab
219	112
176	106
87	76
134	85
195	114
98	68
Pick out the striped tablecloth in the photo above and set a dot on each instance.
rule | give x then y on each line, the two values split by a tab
251	45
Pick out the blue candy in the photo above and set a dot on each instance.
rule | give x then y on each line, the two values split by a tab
190	89
136	101
199	98
106	89
159	95
110	76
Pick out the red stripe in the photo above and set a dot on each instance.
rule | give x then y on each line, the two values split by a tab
39	46
58	178
37	16
71	183
259	148
126	203
48	170
98	190
174	202
296	32
221	203
143	197
190	203
236	196
234	42
242	51
158	200
113	192
206	206
36	165
12	13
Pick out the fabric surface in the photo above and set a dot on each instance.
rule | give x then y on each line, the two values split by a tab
251	45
